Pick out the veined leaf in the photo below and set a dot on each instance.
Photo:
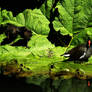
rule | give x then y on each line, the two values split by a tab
32	19
46	7
36	21
66	19
59	27
73	16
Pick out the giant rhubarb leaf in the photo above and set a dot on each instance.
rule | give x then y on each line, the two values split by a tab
32	19
74	16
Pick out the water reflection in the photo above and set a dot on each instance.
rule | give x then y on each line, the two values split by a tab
46	85
67	85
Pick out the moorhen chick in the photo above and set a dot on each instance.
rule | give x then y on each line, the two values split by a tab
81	52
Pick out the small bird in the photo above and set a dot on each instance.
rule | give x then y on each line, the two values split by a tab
81	52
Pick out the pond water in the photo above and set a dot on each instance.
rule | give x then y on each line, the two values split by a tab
48	85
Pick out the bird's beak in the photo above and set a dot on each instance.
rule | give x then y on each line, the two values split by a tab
89	43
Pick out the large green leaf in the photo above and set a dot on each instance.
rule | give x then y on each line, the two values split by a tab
36	21
66	19
32	19
46	7
74	15
41	46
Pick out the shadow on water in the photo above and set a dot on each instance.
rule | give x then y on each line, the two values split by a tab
17	84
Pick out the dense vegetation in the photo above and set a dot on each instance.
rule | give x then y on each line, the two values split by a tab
33	40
